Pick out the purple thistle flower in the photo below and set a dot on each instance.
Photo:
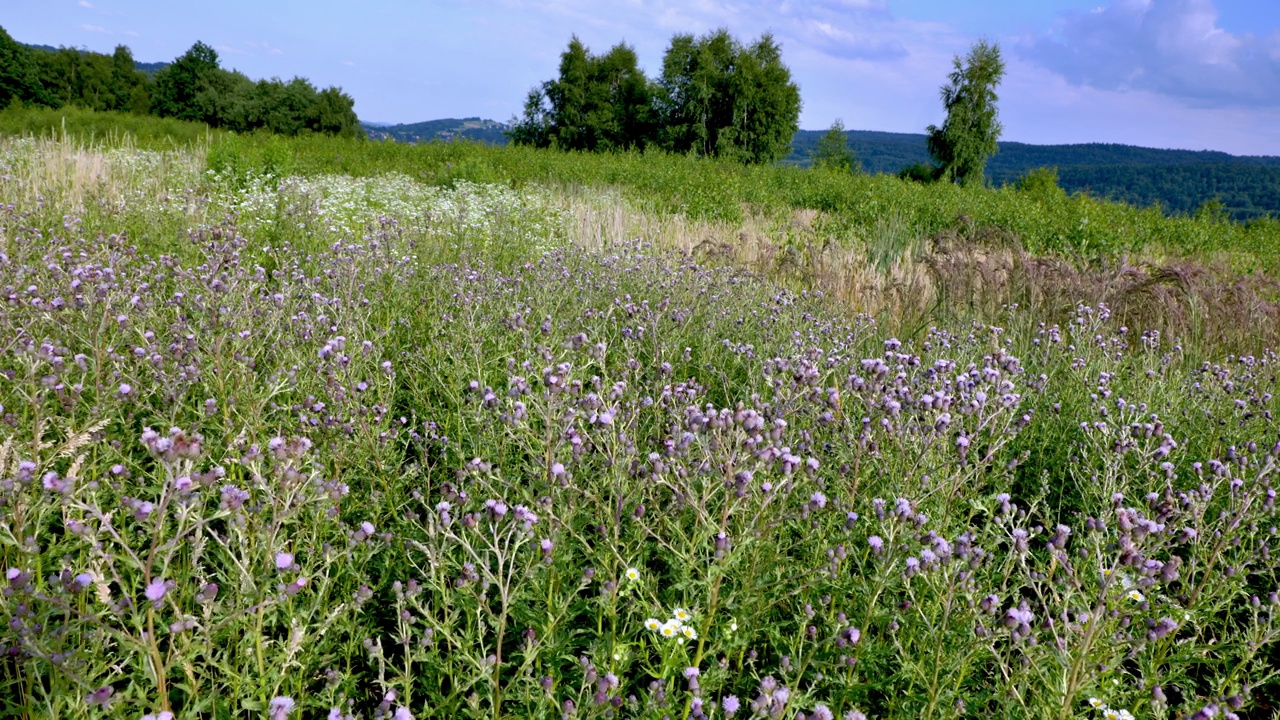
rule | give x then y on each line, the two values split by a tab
156	590
280	707
730	704
284	560
101	696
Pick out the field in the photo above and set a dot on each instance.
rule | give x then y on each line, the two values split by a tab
315	428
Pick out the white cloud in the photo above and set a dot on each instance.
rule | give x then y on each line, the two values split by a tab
1169	47
95	28
86	4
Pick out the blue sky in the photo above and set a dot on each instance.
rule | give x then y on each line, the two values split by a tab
1197	74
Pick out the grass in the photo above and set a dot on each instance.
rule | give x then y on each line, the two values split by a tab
93	126
445	443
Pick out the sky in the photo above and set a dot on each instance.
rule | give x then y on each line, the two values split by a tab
1192	74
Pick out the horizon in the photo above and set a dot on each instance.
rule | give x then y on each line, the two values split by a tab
1162	74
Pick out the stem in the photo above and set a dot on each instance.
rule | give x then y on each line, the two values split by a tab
157	663
1077	665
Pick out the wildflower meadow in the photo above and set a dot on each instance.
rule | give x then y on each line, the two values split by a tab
298	444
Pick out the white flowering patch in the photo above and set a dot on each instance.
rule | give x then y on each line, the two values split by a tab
348	207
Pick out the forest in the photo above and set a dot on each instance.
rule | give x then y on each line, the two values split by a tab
1180	182
193	87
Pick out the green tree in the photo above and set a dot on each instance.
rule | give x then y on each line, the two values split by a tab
1041	182
833	152
969	135
598	103
125	80
720	98
18	79
334	113
187	88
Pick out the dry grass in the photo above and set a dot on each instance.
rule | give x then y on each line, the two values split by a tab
74	173
910	282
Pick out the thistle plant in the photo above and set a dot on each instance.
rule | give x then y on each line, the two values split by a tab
319	446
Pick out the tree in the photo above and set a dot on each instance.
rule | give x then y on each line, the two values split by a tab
186	89
18	79
598	103
832	151
1041	182
334	113
968	136
125	80
720	98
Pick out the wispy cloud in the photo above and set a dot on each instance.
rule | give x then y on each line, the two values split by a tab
94	28
86	4
1169	47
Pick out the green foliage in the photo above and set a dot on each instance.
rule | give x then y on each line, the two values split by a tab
1040	182
110	127
919	172
91	80
968	136
722	99
193	88
832	151
188	88
599	103
19	81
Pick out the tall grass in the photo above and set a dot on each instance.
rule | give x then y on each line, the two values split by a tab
91	126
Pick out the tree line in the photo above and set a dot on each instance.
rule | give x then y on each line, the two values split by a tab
193	87
720	97
716	97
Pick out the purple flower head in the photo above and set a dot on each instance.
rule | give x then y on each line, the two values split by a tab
280	707
284	560
822	712
691	672
101	696
402	713
156	590
208	593
730	704
162	715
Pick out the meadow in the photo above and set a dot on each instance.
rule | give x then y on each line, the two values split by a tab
316	428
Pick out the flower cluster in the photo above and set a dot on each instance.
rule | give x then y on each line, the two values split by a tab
676	627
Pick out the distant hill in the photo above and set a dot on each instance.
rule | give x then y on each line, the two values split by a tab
475	129
1180	181
149	68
